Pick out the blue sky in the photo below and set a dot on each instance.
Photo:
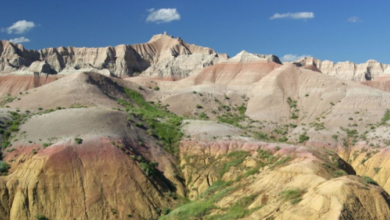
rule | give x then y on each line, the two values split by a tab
339	30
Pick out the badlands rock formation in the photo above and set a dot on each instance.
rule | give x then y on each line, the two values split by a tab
163	56
264	140
346	70
242	178
80	159
287	103
382	82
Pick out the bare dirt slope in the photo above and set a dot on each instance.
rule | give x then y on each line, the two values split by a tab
76	90
381	83
14	84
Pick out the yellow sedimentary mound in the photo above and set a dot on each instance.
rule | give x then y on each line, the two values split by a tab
274	181
100	178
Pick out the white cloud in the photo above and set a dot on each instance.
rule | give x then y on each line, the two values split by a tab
354	19
163	15
297	15
292	57
19	40
20	27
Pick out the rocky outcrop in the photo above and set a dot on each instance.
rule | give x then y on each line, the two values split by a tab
39	67
269	181
163	57
245	57
346	70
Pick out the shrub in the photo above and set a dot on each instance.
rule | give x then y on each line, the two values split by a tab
264	154
339	173
41	217
261	135
203	116
45	145
148	168
283	139
303	137
4	167
78	140
241	109
369	180
292	103
385	117
156	88
166	211
198	106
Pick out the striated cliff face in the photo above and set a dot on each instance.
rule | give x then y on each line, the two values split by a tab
123	60
346	70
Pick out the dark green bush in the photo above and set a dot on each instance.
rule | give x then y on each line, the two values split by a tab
78	140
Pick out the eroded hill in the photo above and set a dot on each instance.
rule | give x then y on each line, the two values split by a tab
195	136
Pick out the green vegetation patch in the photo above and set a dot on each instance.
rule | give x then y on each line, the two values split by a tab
231	118
165	125
292	195
369	180
201	208
237	210
78	140
10	127
235	158
385	117
303	137
4	167
148	168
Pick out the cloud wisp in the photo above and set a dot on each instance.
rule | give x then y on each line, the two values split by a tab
20	27
354	19
296	15
292	57
163	15
19	40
